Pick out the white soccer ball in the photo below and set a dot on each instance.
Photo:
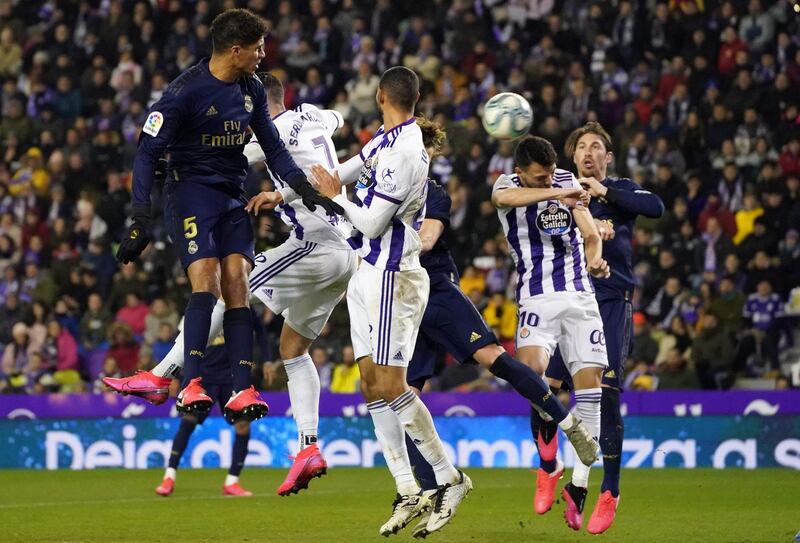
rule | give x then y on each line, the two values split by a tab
507	116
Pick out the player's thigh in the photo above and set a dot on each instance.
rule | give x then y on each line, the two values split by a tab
617	326
457	327
359	291
537	329
233	232
582	341
423	363
190	216
402	302
308	313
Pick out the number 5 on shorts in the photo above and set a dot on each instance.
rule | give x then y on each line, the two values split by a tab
189	227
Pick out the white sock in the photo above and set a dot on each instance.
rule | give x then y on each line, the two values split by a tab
171	365
304	394
418	424
231	479
587	405
392	438
171	473
568	422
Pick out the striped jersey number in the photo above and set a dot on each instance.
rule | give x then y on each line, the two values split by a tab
320	142
530	319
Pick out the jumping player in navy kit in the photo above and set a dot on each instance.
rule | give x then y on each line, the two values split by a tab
453	325
202	121
615	205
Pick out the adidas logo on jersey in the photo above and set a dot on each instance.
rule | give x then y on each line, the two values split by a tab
398	356
211	111
474	336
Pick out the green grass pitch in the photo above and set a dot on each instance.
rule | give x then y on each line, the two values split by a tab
348	505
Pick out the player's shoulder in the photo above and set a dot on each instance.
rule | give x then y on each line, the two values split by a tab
436	191
506	180
563	178
623	183
187	81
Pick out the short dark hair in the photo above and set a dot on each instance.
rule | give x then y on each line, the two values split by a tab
236	27
534	149
273	86
401	86
592	127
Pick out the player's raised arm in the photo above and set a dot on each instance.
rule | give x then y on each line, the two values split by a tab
508	194
162	125
630	197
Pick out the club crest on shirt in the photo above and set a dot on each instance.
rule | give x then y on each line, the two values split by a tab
554	220
248	103
192	247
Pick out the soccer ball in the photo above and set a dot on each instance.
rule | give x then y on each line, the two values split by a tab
507	116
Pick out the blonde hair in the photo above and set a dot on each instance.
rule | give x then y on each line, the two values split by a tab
433	135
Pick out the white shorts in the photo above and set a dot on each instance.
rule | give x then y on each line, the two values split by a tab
303	281
568	320
386	310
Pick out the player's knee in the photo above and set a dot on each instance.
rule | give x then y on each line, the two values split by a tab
590	377
486	356
370	391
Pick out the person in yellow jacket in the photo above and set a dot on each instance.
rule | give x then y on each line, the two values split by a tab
346	377
501	314
746	217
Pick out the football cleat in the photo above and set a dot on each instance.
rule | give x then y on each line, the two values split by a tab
575	498
308	464
421	529
235	490
404	510
166	487
585	446
193	399
546	484
143	384
604	512
245	405
448	498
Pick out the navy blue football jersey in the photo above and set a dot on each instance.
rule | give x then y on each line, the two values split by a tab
203	123
620	206
438	260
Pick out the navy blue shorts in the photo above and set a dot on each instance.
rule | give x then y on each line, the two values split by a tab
220	394
450	324
616	315
207	221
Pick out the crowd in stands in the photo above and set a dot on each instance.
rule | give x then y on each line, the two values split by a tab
702	98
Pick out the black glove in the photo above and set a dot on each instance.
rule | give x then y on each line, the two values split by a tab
138	235
160	172
312	198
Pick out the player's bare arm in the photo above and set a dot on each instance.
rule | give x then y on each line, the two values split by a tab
429	233
264	200
524	196
592	243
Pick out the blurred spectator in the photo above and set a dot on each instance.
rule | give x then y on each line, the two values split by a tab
761	311
713	354
346	377
324	366
675	373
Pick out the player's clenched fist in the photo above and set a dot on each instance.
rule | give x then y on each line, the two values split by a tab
605	229
599	268
596	188
573	197
138	235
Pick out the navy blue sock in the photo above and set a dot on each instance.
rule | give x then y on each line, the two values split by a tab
237	325
239	453
422	470
196	326
612	431
180	441
528	383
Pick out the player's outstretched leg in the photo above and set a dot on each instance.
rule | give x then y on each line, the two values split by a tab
179	442
239	453
196	328
153	385
427	481
612	430
587	404
453	485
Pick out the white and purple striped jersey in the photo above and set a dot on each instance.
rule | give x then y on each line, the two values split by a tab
306	132
395	170
546	245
